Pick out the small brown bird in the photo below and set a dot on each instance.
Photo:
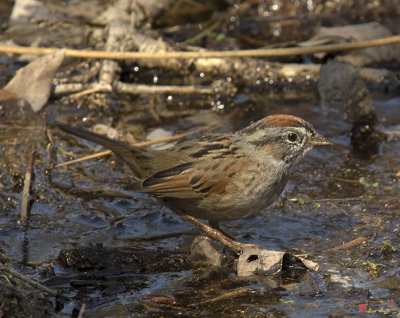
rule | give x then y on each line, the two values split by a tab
219	177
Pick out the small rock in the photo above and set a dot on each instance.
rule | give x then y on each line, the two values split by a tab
160	133
203	252
102	129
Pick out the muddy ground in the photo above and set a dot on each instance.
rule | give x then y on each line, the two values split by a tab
120	253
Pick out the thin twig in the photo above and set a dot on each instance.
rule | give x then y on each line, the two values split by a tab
202	34
82	311
203	54
137	89
345	180
24	213
357	241
28	280
153	112
338	199
96	155
88	91
327	200
229	295
80	90
163	89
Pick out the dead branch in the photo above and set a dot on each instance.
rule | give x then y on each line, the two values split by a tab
24	214
28	280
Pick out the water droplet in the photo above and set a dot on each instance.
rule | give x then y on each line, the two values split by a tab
274	7
262	10
201	74
276	30
310	5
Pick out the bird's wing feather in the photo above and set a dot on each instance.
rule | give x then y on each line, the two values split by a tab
191	180
206	170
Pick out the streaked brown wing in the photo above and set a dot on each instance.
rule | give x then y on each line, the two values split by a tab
188	180
172	182
206	169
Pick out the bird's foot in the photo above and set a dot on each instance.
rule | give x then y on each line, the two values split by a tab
218	235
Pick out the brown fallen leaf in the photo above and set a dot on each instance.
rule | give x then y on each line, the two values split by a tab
32	84
258	260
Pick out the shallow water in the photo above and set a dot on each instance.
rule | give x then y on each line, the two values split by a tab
332	197
121	253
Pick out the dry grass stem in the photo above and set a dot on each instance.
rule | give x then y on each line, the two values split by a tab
202	54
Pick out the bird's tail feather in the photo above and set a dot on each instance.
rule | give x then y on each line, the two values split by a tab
126	152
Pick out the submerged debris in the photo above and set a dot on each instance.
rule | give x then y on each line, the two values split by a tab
342	90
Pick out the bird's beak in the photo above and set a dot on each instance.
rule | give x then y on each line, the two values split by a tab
319	140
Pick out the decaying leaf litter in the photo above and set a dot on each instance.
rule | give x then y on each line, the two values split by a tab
85	204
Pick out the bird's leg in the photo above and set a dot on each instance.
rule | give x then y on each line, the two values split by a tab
216	226
217	234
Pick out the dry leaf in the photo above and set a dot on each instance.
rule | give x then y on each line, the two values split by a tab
32	83
262	261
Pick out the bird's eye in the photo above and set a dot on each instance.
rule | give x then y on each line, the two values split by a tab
292	137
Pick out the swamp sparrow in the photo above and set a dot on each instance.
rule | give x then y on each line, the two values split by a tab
219	177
